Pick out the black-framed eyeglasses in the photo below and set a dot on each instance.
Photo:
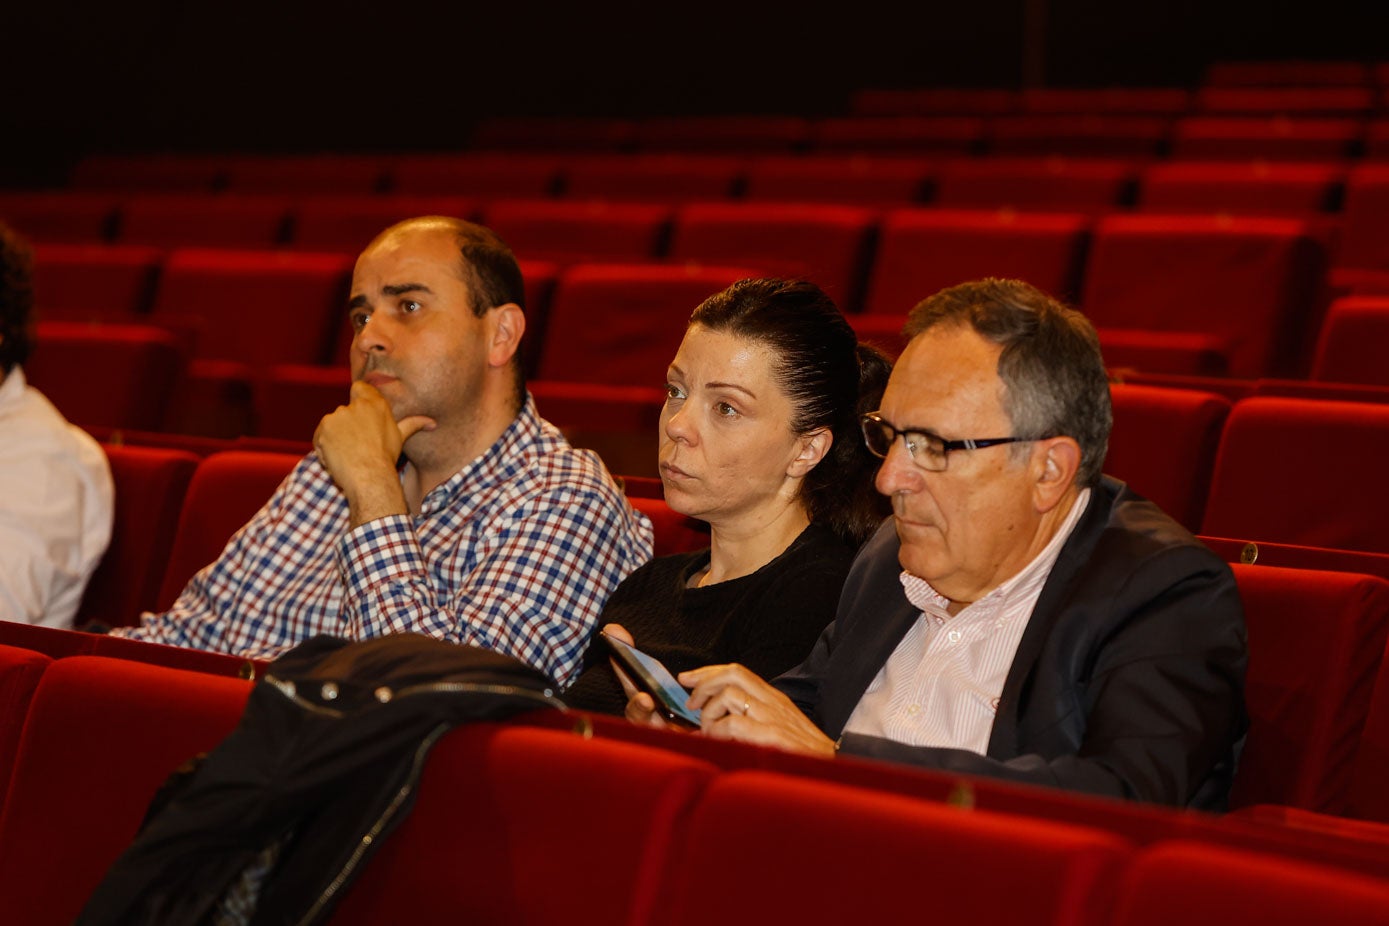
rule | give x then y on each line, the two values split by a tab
929	451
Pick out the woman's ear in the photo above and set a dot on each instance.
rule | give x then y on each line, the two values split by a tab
813	447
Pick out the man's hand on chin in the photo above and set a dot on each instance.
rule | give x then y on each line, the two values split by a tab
359	444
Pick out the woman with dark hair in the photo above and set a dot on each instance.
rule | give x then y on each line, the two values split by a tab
759	438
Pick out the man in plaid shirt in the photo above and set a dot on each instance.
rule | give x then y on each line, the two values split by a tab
492	530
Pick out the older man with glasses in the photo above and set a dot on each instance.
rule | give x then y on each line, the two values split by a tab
1020	615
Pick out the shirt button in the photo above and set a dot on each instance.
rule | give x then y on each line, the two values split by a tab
953	636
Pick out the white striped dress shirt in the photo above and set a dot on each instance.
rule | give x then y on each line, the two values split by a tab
941	685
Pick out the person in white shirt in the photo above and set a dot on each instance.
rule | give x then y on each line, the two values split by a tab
56	497
1020	615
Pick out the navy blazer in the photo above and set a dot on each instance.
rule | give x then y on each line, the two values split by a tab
1128	680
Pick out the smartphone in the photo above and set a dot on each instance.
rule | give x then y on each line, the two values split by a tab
656	680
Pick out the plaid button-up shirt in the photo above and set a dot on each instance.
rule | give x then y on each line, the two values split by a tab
516	552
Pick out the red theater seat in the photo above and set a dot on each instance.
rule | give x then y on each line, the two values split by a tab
75	217
506	806
255	307
1164	444
209	221
620	324
1248	138
118	376
1091	135
891	855
860	180
567	231
187	173
226	490
476	175
95	282
1254	188
1316	641
1152	101
1287	101
1302	471
660	178
923	250
1364	239
898	134
1204	885
58	644
1205	287
826	244
291	399
299	174
1057	184
1354	338
349	223
20	670
150	486
102	736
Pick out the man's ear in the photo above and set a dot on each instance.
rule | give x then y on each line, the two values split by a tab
508	324
1056	461
813	447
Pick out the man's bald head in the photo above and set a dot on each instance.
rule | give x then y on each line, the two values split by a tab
486	265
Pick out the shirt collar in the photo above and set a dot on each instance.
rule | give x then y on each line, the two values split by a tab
1026	582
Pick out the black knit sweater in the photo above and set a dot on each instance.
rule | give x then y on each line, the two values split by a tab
768	620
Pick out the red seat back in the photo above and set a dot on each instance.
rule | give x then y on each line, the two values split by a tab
150	484
101	737
569	231
1302	471
861	180
195	220
1040	184
1316	640
826	244
504	805
890	854
620	324
921	251
1164	443
226	490
1204	885
95	282
1248	284
1354	335
253	307
137	367
20	670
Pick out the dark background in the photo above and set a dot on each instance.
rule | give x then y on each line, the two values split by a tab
406	75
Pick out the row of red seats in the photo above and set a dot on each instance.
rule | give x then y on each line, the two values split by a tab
1262	281
865	176
1277	133
313	218
92	738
